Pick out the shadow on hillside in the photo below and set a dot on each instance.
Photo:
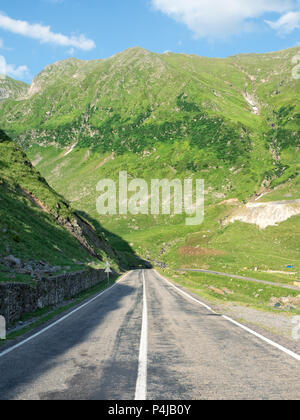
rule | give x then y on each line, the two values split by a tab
26	226
118	246
3	165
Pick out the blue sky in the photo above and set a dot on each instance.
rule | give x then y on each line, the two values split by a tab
35	33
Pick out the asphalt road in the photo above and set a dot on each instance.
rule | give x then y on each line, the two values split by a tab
144	339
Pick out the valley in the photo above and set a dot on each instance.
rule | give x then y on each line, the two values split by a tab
149	203
233	122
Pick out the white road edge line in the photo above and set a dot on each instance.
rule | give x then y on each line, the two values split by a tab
141	383
61	319
186	294
272	343
261	337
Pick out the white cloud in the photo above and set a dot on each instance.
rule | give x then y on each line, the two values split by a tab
286	23
11	70
44	34
219	18
71	51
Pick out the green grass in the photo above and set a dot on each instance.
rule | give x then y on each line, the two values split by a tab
243	292
31	234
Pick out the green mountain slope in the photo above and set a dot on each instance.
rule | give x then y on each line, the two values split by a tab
138	99
233	122
38	224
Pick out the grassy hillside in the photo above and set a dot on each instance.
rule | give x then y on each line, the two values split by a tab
237	248
233	122
37	224
138	100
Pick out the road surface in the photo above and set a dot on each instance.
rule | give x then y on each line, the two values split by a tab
144	339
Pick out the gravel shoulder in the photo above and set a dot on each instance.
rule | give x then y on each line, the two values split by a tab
277	327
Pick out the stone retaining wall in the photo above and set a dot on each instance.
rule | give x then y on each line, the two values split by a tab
16	299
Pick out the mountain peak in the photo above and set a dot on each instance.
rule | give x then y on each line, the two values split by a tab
137	49
10	88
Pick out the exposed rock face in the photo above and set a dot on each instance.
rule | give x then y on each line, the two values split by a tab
265	214
251	101
85	234
35	269
12	261
285	302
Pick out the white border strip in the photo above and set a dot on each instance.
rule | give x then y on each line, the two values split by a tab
261	337
141	384
186	294
272	343
61	319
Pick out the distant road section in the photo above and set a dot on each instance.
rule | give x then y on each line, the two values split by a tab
269	283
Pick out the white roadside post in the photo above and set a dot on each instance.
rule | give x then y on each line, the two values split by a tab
2	328
108	271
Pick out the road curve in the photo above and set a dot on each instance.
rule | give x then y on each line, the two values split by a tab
111	350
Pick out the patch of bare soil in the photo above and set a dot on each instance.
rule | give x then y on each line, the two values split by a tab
38	158
230	202
107	159
265	214
86	156
35	201
194	251
70	149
